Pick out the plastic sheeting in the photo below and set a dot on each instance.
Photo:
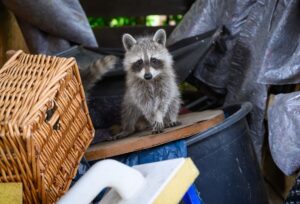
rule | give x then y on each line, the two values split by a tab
171	150
52	26
256	52
281	61
284	131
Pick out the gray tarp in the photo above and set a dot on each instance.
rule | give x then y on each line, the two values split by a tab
52	26
281	62
284	131
261	51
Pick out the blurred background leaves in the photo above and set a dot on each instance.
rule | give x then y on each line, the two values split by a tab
151	20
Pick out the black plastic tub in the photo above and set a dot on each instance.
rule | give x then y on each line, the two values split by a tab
224	154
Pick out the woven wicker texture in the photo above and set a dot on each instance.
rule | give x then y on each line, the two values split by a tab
45	127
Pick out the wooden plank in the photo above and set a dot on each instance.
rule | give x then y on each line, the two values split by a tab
11	37
192	123
112	37
135	7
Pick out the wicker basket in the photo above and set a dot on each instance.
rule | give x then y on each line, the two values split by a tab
45	127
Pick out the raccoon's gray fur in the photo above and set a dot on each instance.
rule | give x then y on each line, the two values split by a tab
95	71
152	94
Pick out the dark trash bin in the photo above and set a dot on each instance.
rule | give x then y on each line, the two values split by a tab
224	154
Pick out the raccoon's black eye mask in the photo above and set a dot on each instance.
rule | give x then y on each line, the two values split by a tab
137	66
156	63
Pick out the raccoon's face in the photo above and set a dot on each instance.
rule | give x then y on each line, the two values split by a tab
147	66
146	58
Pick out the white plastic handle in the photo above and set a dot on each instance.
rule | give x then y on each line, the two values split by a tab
107	173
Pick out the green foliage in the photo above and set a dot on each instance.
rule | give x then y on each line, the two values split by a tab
175	18
151	20
98	22
184	86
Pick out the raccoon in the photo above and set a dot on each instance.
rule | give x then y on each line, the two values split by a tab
152	96
95	71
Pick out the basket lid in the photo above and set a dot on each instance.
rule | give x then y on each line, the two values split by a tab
28	83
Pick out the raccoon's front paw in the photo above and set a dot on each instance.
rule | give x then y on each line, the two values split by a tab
158	127
173	124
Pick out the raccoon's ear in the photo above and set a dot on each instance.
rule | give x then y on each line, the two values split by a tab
160	37
128	41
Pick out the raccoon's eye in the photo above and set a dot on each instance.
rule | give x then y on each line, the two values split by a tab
156	63
137	66
154	60
139	62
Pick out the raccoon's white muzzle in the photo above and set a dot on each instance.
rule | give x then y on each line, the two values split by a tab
147	75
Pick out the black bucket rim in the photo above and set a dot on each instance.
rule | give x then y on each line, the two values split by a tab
244	110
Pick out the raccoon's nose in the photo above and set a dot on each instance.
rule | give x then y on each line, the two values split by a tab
148	76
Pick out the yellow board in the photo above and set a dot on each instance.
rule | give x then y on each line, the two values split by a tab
180	183
10	193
